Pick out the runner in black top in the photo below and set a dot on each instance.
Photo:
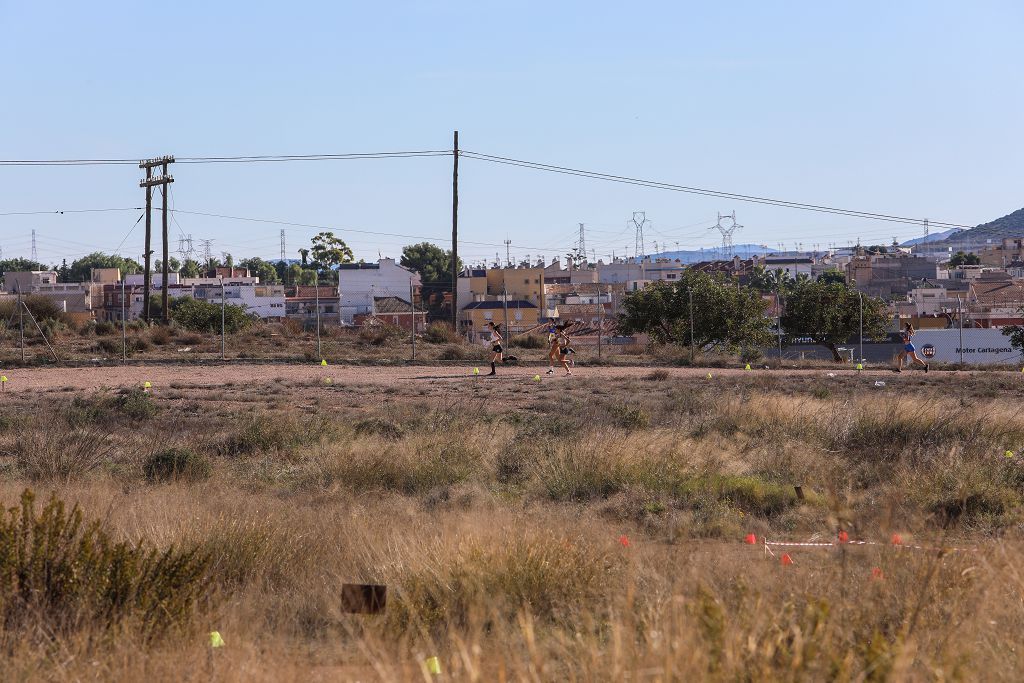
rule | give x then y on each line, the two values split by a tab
496	349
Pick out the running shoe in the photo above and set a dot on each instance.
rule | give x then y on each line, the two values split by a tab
550	371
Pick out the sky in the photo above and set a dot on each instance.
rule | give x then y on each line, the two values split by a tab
911	108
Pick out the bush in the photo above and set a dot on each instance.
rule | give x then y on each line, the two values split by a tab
202	316
43	308
61	455
528	341
160	335
631	416
380	427
103	328
59	574
177	464
136	404
261	433
452	352
377	333
441	333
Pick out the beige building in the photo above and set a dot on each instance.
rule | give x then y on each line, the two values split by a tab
1011	250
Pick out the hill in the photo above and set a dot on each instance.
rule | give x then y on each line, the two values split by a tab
1010	225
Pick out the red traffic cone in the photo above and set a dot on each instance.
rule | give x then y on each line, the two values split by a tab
751	539
786	560
843	536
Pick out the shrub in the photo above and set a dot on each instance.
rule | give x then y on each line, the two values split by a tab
631	416
377	333
527	341
43	308
177	464
441	333
202	316
103	328
135	404
59	574
452	352
59	455
261	432
380	427
160	335
659	375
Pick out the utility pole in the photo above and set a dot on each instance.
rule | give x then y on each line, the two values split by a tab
316	283
21	324
223	321
124	326
163	180
412	309
455	234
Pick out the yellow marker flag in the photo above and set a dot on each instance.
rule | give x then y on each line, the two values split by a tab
1009	454
323	362
536	378
3	378
709	375
433	665
748	367
147	385
860	366
476	371
215	639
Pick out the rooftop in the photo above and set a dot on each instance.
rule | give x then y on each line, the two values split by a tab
491	305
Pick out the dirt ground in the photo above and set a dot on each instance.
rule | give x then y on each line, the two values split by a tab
234	374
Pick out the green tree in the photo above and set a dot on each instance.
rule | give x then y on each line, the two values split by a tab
769	281
433	263
304	254
1016	334
81	269
190	268
202	316
19	265
264	270
832	277
63	273
961	259
329	251
830	313
878	249
173	265
724	315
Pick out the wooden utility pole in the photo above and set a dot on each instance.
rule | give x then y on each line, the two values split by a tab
164	313
455	234
149	182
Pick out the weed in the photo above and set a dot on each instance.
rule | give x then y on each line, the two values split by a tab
177	464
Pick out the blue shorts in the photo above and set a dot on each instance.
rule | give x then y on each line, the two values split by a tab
909	348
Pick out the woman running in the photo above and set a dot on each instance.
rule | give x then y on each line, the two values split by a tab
563	348
552	347
496	350
908	349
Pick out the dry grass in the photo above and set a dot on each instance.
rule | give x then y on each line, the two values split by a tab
593	535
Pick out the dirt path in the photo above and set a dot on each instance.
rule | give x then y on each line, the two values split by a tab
43	379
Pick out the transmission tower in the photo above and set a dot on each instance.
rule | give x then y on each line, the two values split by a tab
185	248
727	231
35	255
207	252
639	220
283	251
925	232
583	243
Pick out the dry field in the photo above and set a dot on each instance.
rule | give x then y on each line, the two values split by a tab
585	528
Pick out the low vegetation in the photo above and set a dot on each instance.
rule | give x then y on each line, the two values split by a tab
592	530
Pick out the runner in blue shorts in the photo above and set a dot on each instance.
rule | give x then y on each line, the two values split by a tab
909	351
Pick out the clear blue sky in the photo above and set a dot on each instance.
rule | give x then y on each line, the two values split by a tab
910	108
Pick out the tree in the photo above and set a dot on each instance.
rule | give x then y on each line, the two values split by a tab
81	269
961	259
433	263
877	249
724	315
329	251
19	265
829	314
1016	334
173	265
63	273
304	253
264	270
190	268
769	281
832	277
202	316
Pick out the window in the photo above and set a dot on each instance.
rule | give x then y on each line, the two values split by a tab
526	281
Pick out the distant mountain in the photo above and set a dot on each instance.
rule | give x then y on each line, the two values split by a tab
1010	225
932	237
744	251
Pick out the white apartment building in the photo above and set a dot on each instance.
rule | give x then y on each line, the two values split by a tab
359	283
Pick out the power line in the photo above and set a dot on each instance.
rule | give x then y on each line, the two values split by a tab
233	159
63	211
594	175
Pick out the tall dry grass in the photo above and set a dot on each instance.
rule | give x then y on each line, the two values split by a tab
592	536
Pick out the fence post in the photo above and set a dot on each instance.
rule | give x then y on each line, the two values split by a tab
21	324
960	317
223	320
316	286
860	299
412	309
690	292
124	327
778	319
